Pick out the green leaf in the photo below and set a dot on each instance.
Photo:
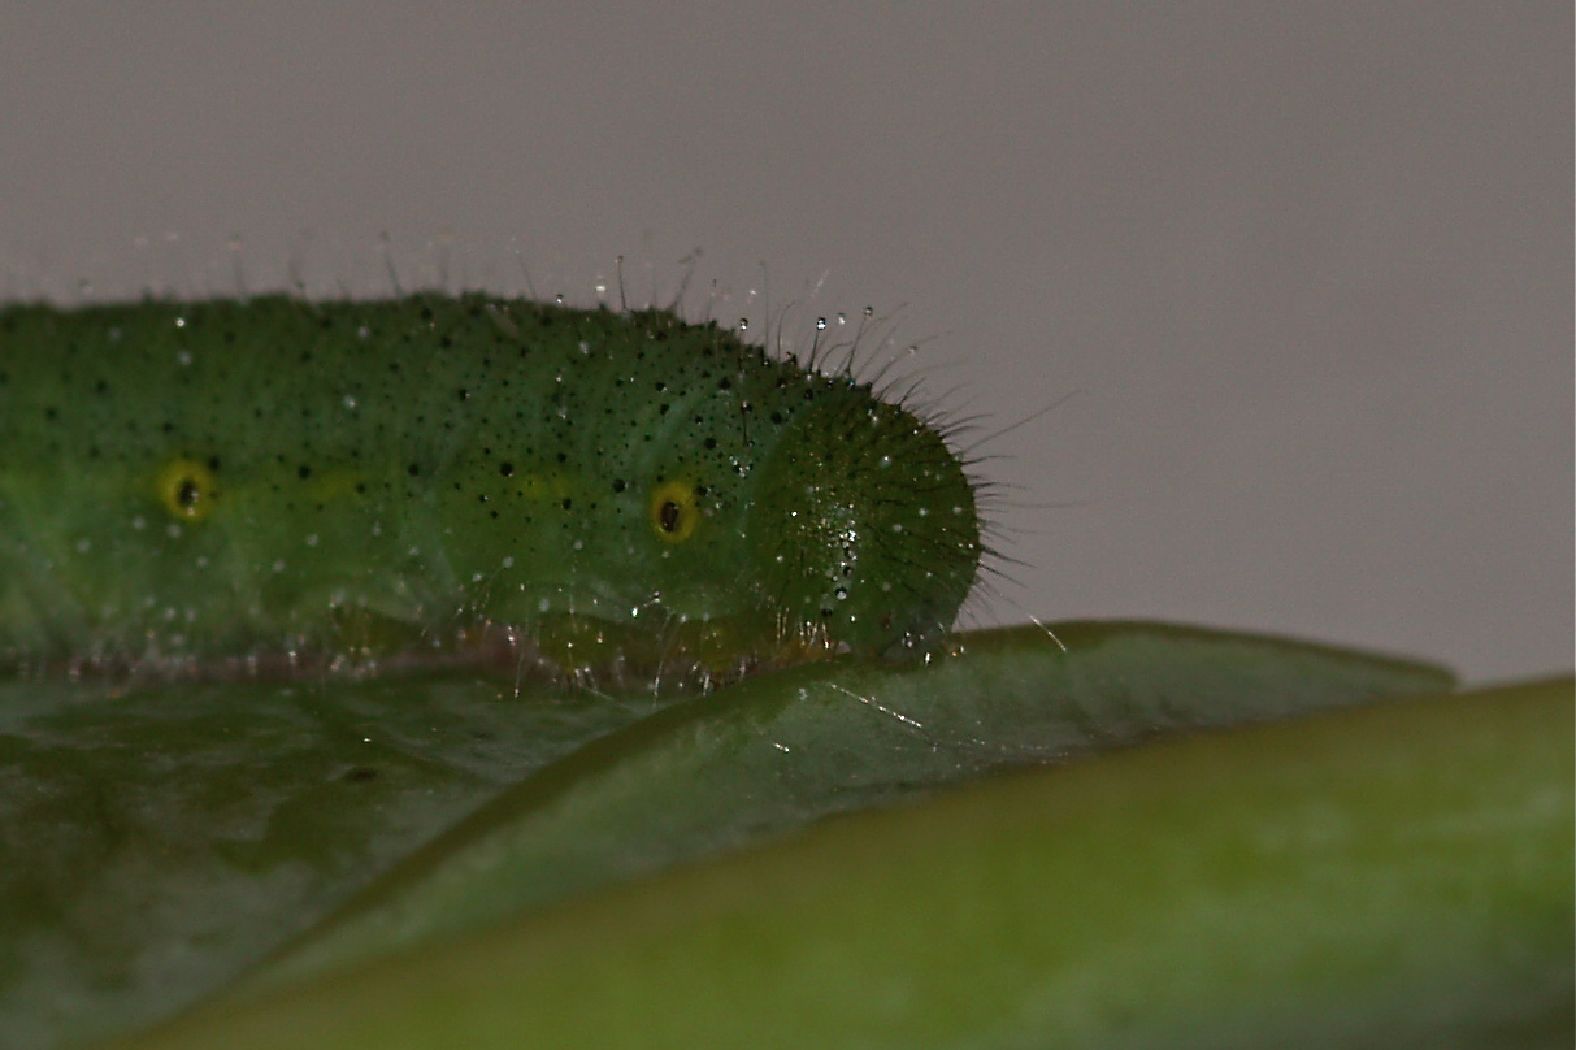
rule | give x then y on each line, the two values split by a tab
1399	875
780	752
156	843
170	838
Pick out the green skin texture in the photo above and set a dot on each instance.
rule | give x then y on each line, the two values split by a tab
376	479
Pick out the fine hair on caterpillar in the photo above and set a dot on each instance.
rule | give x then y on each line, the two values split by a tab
611	496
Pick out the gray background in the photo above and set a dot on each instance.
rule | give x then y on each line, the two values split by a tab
1306	270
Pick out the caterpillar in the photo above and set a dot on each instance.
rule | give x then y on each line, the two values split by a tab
237	484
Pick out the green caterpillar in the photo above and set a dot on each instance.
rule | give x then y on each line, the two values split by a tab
232	484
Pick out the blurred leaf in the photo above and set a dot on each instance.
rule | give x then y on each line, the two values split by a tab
780	752
154	844
1399	875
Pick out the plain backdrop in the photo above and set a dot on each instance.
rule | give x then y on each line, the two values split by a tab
1297	278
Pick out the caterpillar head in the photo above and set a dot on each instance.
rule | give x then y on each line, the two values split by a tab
866	526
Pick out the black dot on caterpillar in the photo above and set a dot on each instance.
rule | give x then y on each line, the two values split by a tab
212	484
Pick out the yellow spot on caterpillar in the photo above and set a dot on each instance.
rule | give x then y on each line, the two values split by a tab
187	489
673	511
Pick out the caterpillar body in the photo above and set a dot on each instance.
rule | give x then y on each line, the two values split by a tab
229	483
